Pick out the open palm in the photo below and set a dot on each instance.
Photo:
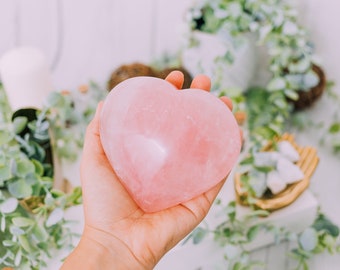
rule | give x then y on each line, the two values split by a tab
114	221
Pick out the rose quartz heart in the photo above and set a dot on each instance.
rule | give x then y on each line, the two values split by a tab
167	146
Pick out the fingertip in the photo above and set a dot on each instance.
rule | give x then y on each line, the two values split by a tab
176	78
227	101
201	82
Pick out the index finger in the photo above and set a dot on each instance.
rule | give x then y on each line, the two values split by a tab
201	82
176	78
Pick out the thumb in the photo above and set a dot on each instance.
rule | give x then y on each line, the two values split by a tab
92	144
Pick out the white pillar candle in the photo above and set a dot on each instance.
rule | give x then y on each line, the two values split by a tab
26	77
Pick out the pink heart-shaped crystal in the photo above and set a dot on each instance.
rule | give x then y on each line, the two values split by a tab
167	146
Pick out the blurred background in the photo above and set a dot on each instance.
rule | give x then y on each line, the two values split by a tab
87	40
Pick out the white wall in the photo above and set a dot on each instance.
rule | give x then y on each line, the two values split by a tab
322	20
85	40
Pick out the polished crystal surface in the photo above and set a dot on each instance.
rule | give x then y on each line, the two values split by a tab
167	146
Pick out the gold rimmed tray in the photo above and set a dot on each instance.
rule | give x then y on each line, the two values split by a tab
307	163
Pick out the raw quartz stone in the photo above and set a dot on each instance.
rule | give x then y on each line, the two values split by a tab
289	172
167	146
288	151
275	183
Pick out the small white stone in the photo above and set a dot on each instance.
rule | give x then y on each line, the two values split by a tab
275	182
266	159
288	151
288	171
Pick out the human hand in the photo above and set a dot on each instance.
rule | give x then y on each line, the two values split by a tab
117	232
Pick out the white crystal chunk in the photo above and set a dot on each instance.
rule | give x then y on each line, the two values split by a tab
288	171
275	183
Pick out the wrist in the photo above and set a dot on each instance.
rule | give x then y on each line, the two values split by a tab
100	250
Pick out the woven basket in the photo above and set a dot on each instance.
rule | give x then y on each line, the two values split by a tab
129	71
307	163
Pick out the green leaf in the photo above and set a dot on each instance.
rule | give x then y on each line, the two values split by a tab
20	189
231	210
44	126
237	266
25	243
310	79
308	239
276	84
40	152
264	31
258	213
19	124
198	235
5	137
227	232
324	224
329	242
211	22
17	259
337	249
253	232
291	94
305	265
235	9
334	128
75	197
229	57
300	66
39	233
277	128
16	231
237	237
56	216
24	167
3	223
39	168
56	193
5	173
49	200
290	28
281	103
9	205
247	160
9	243
55	99
22	221
3	159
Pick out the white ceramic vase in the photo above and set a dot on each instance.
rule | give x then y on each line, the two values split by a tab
26	77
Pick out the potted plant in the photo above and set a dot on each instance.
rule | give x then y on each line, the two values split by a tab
289	73
32	209
289	64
